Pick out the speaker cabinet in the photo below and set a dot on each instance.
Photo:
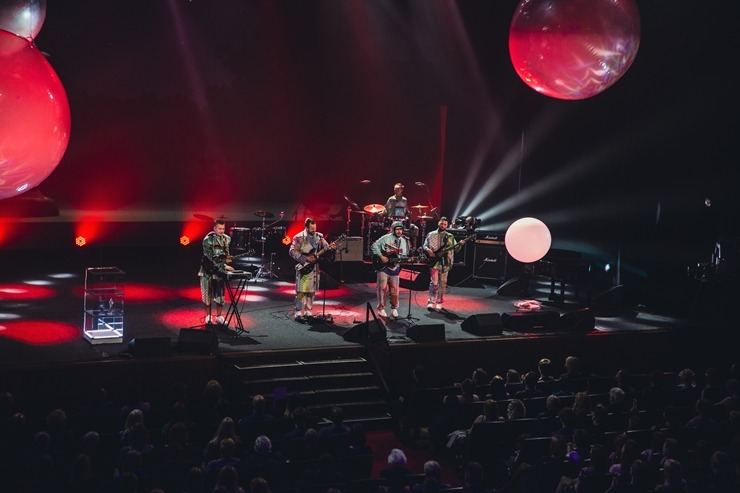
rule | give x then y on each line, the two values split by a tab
366	332
578	321
352	250
148	347
197	341
483	324
540	320
489	261
426	333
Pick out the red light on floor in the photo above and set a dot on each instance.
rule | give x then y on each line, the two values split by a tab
80	241
39	332
184	240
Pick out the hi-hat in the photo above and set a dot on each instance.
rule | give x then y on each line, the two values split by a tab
420	206
373	208
264	214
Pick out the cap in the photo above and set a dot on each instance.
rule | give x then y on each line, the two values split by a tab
397	224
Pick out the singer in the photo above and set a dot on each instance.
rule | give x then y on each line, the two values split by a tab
440	245
304	248
390	249
212	266
396	209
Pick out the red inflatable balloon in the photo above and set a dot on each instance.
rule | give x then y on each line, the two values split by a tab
34	116
573	49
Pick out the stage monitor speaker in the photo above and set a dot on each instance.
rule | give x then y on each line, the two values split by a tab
352	250
414	280
489	261
148	347
483	324
426	333
366	332
578	321
534	321
197	341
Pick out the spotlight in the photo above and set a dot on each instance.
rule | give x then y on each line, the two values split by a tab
184	240
80	241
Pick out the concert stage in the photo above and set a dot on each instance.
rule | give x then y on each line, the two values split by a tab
41	317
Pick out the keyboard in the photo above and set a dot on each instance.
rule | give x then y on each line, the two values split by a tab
238	274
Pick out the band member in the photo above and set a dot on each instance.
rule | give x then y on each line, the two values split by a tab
396	208
303	249
440	246
213	264
390	247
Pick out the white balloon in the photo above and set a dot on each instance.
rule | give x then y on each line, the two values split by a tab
23	18
528	239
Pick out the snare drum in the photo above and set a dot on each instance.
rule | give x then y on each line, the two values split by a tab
240	238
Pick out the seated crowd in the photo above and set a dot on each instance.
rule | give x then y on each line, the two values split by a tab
526	431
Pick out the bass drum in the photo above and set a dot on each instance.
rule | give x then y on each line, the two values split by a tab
241	239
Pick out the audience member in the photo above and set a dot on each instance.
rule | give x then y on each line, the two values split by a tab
516	410
530	387
467	392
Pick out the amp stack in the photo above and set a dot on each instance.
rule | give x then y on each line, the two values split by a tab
489	256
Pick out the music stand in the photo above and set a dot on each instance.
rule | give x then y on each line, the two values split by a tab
235	294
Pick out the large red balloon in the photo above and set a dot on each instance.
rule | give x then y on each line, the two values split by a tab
573	49
34	116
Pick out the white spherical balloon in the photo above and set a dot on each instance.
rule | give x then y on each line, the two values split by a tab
528	239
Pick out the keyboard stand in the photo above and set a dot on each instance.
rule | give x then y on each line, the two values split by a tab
235	293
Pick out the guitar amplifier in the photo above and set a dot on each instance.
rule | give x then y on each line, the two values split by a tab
351	251
489	238
489	261
465	252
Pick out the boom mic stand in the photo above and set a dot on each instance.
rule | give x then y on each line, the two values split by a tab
266	267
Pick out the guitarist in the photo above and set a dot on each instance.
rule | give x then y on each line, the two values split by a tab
440	246
303	249
390	245
213	264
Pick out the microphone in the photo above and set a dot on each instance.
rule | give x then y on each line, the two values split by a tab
420	184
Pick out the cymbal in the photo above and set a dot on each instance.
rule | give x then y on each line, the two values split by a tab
373	208
264	214
203	217
425	217
420	206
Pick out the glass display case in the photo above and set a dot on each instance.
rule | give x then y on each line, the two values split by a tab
103	305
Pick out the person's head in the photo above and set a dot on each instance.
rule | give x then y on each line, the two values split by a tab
398	189
581	403
228	477
545	368
213	390
259	485
490	410
397	457
616	396
262	445
672	471
337	415
258	403
419	373
513	376
516	409
480	376
552	403
227	447
219	226
687	378
473	473
572	364
397	229
530	379
467	387
310	225
443	223
432	469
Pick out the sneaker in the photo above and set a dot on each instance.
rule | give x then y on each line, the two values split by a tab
382	313
298	315
439	306
430	306
208	319
308	312
220	320
394	313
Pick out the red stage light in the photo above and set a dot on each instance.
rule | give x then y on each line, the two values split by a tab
80	241
184	240
39	332
19	292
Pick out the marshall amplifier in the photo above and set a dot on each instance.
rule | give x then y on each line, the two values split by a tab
490	256
465	253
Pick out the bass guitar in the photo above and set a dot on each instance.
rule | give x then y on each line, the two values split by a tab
209	265
393	260
441	253
307	267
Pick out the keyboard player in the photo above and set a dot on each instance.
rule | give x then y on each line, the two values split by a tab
214	264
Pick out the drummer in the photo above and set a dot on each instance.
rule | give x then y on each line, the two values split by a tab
396	209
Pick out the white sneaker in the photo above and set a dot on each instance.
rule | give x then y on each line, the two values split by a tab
220	320
382	313
208	319
298	314
308	312
439	306
394	313
430	306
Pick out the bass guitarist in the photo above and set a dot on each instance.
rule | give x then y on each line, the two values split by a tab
440	246
389	247
303	249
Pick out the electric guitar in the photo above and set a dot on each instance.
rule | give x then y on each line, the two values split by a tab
209	265
441	253
393	260
307	267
